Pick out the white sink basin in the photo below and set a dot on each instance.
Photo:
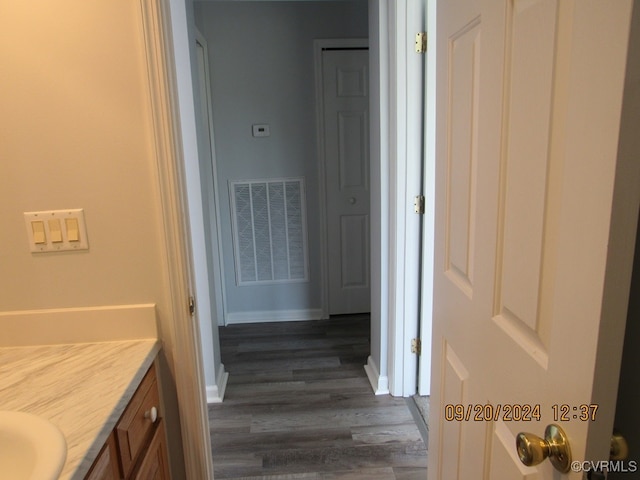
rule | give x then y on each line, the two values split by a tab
31	447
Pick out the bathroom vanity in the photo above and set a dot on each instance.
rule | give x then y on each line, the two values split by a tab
103	396
136	448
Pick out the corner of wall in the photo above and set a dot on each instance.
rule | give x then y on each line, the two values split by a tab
215	393
380	384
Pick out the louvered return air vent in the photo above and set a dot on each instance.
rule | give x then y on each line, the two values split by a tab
269	230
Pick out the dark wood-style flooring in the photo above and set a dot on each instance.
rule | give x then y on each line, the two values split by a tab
298	405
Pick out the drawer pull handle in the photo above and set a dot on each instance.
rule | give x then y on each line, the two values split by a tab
152	414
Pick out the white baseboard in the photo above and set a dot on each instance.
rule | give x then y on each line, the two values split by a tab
275	316
380	384
215	393
78	325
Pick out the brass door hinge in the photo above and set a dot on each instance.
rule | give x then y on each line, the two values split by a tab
192	306
418	204
421	42
416	346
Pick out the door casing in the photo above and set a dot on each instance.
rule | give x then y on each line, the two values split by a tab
391	24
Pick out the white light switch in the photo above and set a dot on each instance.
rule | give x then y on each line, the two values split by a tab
73	233
37	229
56	230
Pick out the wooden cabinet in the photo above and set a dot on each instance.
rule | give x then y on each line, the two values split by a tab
106	466
136	449
154	465
138	423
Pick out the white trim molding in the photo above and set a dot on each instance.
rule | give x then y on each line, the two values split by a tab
78	325
275	316
405	172
215	393
217	281
379	172
183	350
379	383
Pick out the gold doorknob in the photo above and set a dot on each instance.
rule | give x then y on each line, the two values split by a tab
532	449
619	447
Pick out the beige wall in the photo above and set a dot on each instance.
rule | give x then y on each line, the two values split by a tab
75	132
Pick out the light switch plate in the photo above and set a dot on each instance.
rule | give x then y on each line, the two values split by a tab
49	245
261	130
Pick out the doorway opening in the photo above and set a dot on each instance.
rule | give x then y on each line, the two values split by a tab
271	88
395	114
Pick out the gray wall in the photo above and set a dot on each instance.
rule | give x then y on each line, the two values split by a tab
262	71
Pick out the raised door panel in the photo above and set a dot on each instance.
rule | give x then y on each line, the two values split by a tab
503	461
526	235
454	380
353	150
462	155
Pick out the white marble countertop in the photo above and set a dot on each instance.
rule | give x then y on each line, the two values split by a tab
82	388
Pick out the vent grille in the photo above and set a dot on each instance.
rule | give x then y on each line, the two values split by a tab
269	230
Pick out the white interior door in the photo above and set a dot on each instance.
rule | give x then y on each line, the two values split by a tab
345	85
535	217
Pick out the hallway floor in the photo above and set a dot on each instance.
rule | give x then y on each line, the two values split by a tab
298	405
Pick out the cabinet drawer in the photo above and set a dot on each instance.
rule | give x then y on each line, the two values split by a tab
136	425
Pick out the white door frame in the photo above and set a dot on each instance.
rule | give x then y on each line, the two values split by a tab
428	221
396	323
218	264
405	132
185	353
210	292
318	47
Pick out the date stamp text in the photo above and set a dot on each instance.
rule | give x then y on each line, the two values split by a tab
517	412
